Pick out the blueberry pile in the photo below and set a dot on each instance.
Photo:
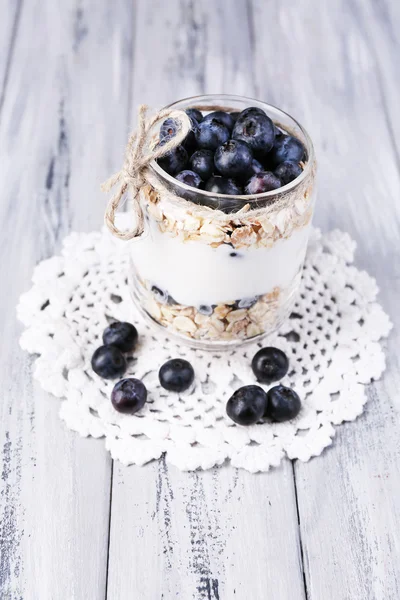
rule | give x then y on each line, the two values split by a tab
251	403
108	361
246	406
129	395
232	153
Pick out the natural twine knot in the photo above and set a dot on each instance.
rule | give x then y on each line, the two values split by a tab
135	171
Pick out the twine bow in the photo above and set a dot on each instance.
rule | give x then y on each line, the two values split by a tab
138	156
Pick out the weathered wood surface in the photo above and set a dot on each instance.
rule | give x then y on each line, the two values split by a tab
9	23
64	122
72	524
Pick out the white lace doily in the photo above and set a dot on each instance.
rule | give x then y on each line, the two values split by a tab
332	340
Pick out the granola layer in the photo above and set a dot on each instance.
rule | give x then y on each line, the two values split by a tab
234	320
243	229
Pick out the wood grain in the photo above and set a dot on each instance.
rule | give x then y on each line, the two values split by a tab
206	535
9	22
61	134
72	74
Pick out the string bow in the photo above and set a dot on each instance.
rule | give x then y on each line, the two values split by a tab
139	154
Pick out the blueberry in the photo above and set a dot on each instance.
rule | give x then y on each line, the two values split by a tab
287	148
256	166
287	171
189	178
251	110
168	128
129	396
175	160
108	362
204	309
269	365
221	185
193	113
160	295
211	134
233	159
189	143
265	181
222	117
235	116
176	375
202	162
122	335
256	129
283	404
247	405
247	302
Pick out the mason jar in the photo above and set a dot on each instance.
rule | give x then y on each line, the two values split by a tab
218	270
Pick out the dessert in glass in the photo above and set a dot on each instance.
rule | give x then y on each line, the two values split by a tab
223	265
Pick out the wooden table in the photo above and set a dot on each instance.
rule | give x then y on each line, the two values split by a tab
75	525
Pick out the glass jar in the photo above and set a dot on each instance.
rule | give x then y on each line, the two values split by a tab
219	280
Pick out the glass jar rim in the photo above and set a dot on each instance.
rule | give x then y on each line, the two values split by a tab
243	197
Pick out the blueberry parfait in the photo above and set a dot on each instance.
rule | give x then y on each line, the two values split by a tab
221	267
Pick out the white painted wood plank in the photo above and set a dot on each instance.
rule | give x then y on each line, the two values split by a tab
183	49
10	11
379	22
348	497
221	534
64	123
206	535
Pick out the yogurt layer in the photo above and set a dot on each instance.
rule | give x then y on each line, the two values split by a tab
195	274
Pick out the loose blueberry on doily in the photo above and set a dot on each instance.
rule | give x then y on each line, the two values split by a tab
176	375
108	362
269	365
129	396
123	335
283	404
247	405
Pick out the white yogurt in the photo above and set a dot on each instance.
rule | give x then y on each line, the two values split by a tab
195	274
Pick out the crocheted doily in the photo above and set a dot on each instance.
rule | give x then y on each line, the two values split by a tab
331	339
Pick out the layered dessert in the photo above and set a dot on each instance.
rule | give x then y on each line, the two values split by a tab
223	264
